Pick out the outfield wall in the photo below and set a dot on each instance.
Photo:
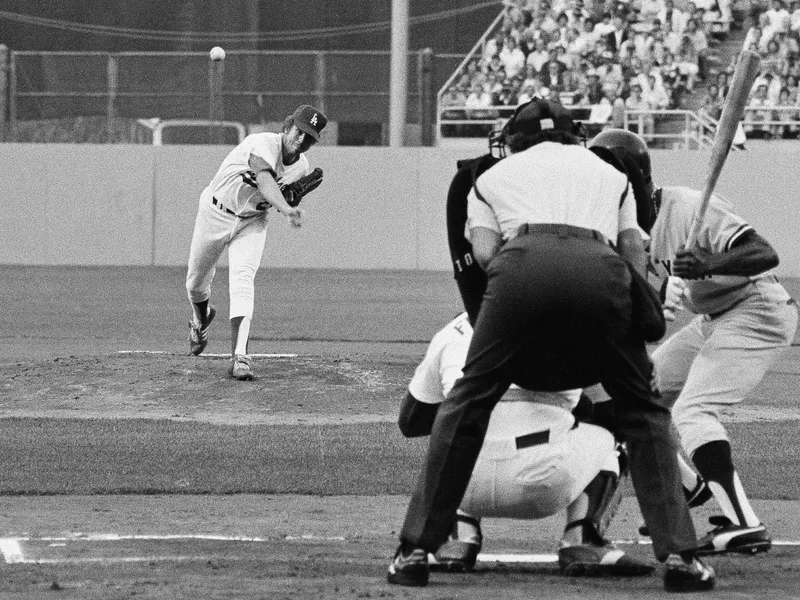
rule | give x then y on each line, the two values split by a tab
378	208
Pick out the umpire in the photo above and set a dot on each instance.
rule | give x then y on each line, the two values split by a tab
540	222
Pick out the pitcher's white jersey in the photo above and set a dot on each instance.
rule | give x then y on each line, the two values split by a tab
721	228
234	184
514	414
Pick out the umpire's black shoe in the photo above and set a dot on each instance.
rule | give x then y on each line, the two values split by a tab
688	575
409	569
727	537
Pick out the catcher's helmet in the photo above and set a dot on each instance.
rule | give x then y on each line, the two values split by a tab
630	143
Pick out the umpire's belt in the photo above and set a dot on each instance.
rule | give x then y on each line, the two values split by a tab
222	206
560	230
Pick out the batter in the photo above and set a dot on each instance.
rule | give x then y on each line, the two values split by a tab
745	319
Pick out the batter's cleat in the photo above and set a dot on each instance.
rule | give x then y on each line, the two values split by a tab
240	368
590	560
198	336
727	537
459	555
688	576
409	569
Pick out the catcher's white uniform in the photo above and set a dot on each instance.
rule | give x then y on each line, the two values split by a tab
232	213
535	459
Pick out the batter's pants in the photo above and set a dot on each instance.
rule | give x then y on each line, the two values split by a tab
556	315
712	364
214	230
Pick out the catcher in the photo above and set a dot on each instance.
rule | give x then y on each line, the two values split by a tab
267	170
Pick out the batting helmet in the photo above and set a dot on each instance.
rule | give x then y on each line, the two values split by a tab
627	142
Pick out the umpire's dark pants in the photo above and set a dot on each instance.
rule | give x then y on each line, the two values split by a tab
556	315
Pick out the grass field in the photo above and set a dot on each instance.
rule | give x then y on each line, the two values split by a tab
290	486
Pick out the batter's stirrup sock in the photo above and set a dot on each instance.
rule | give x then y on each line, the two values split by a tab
200	313
603	496
715	463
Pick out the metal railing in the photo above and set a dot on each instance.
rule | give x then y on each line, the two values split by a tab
250	87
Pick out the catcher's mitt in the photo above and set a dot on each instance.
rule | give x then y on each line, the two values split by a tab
294	192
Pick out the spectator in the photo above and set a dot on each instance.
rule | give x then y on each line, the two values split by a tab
772	61
791	86
610	75
636	101
687	61
722	85
700	44
478	99
649	10
492	47
539	55
555	78
587	39
777	18
774	83
529	92
655	93
752	39
455	98
794	18
512	57
552	59
531	78
712	106
789	130
619	34
672	18
604	27
757	114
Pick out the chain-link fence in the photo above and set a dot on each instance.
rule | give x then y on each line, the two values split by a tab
103	97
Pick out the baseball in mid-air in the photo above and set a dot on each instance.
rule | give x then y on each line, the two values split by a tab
216	53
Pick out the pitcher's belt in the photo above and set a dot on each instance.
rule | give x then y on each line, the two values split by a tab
222	206
560	230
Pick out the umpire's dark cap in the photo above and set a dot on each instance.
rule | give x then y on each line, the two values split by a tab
539	115
309	120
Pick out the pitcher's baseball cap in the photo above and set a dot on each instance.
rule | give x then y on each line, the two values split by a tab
309	120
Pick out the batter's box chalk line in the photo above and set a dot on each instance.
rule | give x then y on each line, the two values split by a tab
209	355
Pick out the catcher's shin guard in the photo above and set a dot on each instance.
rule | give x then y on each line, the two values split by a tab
605	495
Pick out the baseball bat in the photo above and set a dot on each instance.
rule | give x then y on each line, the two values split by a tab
743	77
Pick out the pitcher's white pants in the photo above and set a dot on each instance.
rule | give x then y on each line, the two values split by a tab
214	230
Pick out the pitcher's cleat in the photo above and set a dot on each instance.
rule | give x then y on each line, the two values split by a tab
198	336
240	368
589	560
688	576
727	537
409	569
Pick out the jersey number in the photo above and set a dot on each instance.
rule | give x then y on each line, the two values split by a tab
468	262
249	177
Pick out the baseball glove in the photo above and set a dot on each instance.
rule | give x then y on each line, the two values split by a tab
294	192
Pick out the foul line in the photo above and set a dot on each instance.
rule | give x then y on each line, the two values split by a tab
209	355
12	553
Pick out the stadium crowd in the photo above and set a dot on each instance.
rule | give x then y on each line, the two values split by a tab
609	56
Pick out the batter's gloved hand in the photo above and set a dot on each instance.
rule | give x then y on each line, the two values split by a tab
672	296
294	192
692	264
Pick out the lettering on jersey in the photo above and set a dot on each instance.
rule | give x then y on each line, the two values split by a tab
468	262
262	206
459	328
249	178
666	265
